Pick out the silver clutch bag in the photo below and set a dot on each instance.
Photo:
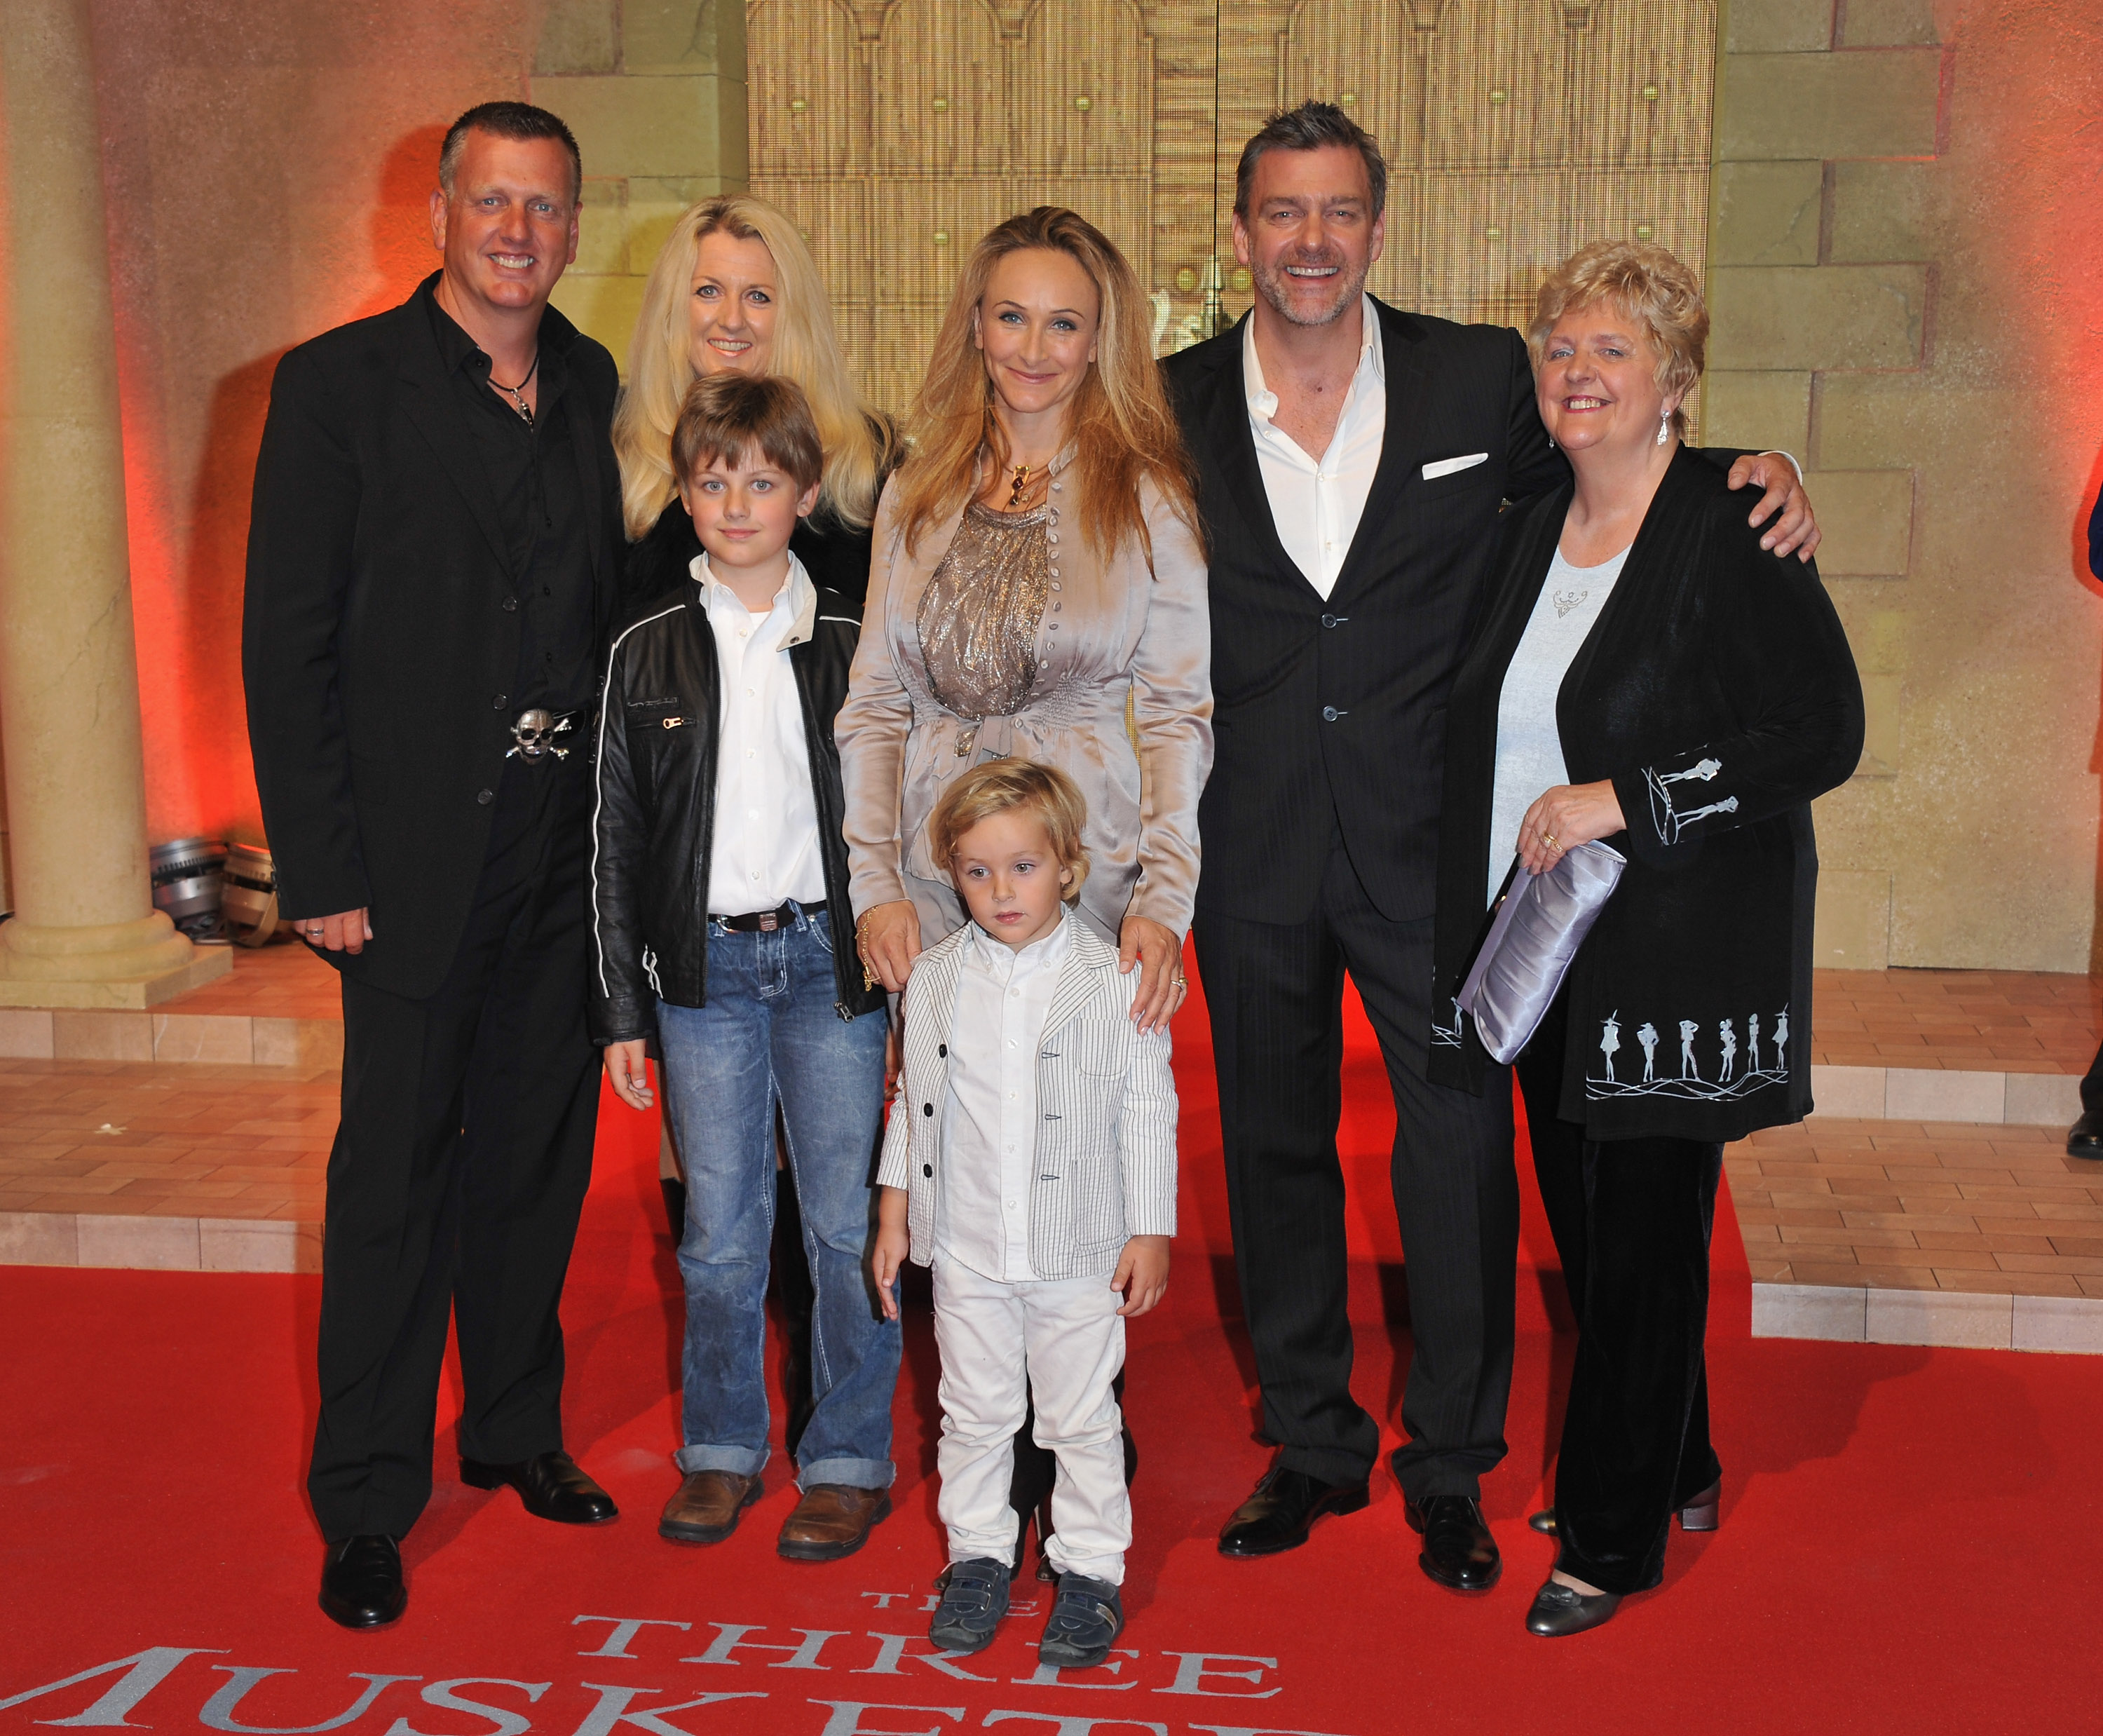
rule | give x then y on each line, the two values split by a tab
1543	920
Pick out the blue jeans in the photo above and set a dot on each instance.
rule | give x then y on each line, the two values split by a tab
770	1035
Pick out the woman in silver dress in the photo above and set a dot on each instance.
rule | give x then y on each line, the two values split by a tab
1037	588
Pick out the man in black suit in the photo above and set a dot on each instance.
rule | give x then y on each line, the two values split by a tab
1353	459
433	560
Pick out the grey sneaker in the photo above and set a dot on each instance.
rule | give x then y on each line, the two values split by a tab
1085	1620
972	1604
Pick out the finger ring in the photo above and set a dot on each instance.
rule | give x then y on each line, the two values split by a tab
1548	840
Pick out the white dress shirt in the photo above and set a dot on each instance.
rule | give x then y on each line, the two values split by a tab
989	1118
1316	504
765	850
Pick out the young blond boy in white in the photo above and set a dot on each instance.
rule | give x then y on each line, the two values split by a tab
1030	1160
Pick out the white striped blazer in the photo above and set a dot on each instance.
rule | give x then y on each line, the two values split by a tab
1105	1163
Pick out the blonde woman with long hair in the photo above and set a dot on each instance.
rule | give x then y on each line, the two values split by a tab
734	289
1037	569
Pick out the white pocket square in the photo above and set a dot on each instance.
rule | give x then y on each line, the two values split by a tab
1446	466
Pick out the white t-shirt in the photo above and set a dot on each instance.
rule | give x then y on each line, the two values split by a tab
1529	745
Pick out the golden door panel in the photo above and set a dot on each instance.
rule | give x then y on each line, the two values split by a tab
897	132
800	59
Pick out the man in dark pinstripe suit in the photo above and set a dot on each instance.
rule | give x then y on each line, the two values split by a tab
1353	461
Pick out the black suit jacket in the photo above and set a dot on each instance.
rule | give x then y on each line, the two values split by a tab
1338	707
1330	716
380	634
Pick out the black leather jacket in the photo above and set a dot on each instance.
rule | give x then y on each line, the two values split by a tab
653	827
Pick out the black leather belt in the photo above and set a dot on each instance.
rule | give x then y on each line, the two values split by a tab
534	733
766	922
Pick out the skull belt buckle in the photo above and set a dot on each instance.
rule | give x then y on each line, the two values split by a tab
534	736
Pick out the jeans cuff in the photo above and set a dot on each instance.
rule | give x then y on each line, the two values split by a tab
744	1462
854	1473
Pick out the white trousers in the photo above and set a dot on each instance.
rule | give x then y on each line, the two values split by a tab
999	1343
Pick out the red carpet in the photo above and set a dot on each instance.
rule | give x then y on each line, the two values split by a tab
1908	1538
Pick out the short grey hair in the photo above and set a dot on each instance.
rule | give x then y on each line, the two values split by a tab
1311	127
508	120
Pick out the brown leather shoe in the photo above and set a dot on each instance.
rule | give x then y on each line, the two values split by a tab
706	1507
831	1520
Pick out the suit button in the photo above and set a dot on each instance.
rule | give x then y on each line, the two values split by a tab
497	703
1330	713
1328	621
927	1170
485	796
927	1109
511	605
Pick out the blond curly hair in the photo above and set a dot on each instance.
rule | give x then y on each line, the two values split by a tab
1653	287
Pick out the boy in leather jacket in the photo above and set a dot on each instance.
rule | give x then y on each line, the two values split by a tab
722	929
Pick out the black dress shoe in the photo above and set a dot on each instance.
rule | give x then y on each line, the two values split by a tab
1458	1552
1560	1610
2085	1137
550	1485
361	1582
1276	1516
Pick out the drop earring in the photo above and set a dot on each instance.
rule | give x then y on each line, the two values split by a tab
1664	426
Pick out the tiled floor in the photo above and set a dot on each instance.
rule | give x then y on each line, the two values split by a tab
1886	1205
282	980
1999	1021
147	1139
1920	1206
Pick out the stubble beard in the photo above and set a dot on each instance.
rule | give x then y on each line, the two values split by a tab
1275	286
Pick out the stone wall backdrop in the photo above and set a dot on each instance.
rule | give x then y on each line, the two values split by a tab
267	164
1903	250
1906	278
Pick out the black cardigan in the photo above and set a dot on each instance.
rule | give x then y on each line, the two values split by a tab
1717	693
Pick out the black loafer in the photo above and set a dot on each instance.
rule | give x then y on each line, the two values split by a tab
1458	1552
1087	1616
2085	1137
973	1601
1284	1505
1561	1610
361	1582
551	1486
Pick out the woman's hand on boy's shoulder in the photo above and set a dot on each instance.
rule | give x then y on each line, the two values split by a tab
1156	953
1142	1274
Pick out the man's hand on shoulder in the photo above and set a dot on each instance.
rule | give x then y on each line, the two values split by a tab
347	930
1795	532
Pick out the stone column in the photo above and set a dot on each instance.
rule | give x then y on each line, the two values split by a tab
85	933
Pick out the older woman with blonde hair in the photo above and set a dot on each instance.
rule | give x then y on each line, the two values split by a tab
734	289
1037	574
1645	675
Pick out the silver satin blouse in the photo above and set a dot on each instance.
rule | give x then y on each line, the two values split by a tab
1050	676
978	616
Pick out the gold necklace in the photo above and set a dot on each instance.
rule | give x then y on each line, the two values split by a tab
1018	486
